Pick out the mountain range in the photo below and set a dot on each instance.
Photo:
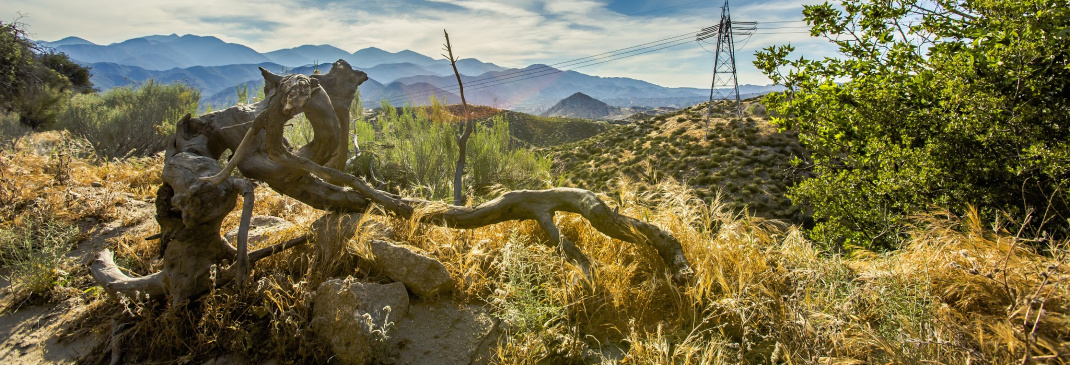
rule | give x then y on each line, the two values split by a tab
217	68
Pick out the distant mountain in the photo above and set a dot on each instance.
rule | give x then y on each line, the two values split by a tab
393	71
308	55
536	88
467	66
209	80
163	52
372	56
217	68
69	41
371	95
579	105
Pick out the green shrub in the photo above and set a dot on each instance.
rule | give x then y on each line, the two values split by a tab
129	121
33	83
11	130
33	252
492	161
419	149
39	106
977	119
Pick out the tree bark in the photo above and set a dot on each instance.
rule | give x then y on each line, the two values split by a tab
466	131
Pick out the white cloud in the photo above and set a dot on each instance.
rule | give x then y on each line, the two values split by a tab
509	33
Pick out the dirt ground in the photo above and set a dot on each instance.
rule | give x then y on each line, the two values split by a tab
45	333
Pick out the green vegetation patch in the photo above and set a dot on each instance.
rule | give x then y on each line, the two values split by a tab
749	163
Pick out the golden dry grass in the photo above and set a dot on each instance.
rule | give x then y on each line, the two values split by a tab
961	291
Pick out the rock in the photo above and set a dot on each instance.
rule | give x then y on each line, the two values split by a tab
341	312
444	332
337	228
424	276
260	226
333	229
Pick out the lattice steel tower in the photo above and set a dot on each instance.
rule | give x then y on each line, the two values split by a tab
724	65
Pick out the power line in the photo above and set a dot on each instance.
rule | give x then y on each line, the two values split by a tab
542	71
601	58
519	74
525	74
532	16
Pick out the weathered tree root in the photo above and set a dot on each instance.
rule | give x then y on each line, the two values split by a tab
108	275
196	193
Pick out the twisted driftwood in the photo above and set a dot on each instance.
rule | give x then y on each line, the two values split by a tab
196	193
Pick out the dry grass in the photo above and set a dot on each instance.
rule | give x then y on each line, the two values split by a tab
962	291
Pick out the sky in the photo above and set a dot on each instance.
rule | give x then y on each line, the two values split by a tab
508	33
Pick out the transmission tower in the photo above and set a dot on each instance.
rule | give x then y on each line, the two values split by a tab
724	65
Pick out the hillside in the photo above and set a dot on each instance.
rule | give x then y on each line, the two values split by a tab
748	165
579	105
541	131
762	292
533	130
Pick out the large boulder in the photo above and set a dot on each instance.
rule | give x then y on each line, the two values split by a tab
446	333
424	276
356	319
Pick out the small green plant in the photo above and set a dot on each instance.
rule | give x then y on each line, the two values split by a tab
382	349
525	299
33	252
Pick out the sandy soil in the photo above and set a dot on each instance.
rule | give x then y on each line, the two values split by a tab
33	334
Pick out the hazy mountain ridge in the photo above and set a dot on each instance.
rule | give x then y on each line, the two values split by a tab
160	52
217	68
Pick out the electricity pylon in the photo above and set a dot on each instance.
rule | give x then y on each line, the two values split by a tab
724	65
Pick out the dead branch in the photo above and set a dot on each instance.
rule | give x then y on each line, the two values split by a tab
197	193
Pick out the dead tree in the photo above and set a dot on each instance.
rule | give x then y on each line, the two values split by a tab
196	193
466	130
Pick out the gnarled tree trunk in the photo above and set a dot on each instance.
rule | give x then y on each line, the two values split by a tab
196	194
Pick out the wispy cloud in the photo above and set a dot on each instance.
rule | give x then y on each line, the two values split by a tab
509	33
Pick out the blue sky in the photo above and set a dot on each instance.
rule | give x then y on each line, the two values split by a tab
509	33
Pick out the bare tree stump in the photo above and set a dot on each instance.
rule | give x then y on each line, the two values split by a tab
197	194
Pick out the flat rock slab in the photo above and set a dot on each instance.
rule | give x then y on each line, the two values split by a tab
341	313
446	333
424	276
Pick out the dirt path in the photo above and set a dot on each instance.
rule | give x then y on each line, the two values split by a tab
31	334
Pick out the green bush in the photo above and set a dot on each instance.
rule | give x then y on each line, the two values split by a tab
11	130
33	83
493	162
418	148
33	252
129	121
977	117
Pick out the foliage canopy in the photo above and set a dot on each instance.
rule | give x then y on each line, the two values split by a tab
35	83
930	103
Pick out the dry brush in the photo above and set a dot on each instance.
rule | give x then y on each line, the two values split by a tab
197	193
